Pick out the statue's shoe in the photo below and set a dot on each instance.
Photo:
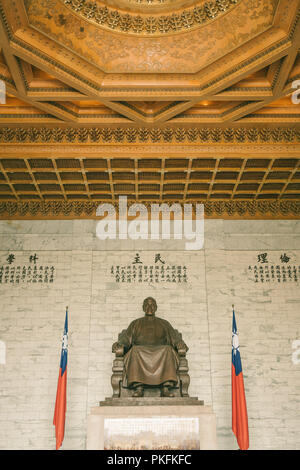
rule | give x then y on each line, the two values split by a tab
166	392
139	392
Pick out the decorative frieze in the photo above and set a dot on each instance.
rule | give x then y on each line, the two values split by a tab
214	209
152	135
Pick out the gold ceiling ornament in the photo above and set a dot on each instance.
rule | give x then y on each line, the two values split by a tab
142	21
213	209
154	135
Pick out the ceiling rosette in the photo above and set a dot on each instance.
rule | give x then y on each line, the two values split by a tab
150	17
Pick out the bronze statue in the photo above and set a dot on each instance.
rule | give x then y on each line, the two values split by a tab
152	352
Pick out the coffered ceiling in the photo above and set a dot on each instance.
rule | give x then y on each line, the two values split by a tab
187	101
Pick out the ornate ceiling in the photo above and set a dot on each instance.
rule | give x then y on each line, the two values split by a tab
150	18
161	100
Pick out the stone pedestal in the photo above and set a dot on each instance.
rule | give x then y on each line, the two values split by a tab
151	423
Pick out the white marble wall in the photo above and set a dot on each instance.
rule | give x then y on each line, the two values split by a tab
32	318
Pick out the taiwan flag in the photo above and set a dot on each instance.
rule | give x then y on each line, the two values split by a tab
61	394
239	407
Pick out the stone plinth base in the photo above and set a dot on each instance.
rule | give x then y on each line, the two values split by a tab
152	401
151	424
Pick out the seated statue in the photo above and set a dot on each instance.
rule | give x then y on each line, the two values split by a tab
152	352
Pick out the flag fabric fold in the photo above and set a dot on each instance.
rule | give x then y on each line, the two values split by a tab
239	406
61	393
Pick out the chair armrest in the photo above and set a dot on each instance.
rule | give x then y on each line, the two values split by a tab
181	352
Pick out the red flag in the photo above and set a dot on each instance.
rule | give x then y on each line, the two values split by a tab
61	394
239	407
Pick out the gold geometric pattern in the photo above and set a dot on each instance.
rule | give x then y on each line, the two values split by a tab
193	114
139	23
214	209
47	83
149	179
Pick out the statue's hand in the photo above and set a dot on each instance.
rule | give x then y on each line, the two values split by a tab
117	347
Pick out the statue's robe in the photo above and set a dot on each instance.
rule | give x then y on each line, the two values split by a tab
151	356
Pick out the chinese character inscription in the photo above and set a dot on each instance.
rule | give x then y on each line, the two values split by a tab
31	272
279	270
159	271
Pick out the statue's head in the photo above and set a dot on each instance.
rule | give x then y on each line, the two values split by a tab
150	306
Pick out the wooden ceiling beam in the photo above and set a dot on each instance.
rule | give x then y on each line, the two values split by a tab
125	111
238	180
287	65
264	179
242	95
174	111
163	151
15	66
251	106
68	78
27	72
289	179
34	182
161	183
75	84
12	62
60	182
234	74
248	108
188	179
133	115
8	182
85	181
49	108
56	95
111	182
60	73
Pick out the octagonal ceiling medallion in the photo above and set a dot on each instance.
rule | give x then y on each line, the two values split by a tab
181	49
